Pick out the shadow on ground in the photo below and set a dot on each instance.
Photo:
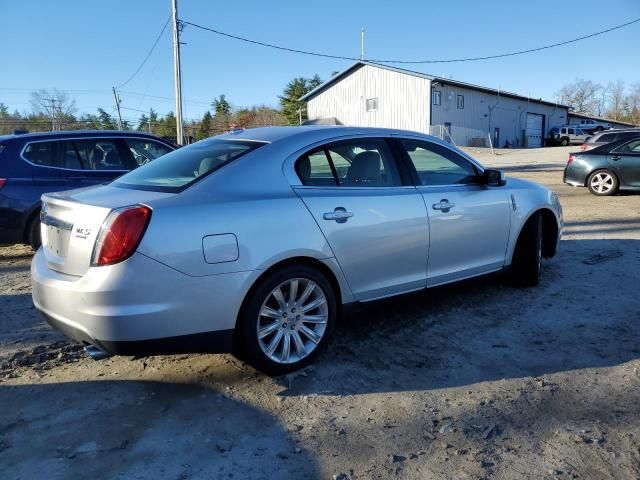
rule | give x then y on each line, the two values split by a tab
103	429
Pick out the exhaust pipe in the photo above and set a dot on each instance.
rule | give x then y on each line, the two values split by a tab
95	353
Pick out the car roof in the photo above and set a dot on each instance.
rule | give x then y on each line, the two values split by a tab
608	147
315	132
595	138
78	133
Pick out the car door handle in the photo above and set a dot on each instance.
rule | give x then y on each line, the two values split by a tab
615	159
444	205
339	214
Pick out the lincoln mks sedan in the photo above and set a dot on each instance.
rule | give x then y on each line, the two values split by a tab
255	242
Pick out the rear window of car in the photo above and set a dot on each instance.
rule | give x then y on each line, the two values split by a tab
181	168
606	138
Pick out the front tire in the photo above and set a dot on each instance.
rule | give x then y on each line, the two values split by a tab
527	256
603	183
287	320
564	142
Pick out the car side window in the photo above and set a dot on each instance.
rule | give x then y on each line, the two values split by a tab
100	154
314	169
437	165
42	153
609	137
632	147
144	150
350	163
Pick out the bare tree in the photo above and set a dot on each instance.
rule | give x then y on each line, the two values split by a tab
616	97
55	104
581	96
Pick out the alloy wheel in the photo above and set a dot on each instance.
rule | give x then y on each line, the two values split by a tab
292	320
602	182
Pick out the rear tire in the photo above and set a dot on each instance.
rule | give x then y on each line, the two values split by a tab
287	329
33	233
527	256
603	183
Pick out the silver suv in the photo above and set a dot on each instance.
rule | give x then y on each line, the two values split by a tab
566	136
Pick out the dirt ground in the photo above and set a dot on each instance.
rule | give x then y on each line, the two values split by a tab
471	381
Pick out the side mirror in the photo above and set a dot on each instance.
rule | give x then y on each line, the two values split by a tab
494	178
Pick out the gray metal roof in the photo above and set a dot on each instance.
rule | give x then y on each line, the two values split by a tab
435	78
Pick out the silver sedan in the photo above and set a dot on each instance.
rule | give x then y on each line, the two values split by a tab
254	242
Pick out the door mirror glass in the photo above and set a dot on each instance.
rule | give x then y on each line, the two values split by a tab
494	178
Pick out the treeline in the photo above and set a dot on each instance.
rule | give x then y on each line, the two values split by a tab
614	101
55	110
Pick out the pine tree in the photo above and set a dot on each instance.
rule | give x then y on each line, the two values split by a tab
291	106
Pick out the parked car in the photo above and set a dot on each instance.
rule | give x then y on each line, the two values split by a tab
36	163
254	242
591	126
602	138
566	136
606	169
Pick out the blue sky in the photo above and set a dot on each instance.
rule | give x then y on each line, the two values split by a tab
86	47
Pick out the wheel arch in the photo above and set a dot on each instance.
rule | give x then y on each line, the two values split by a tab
319	265
30	217
550	231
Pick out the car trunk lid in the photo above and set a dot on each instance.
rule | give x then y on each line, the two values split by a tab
71	222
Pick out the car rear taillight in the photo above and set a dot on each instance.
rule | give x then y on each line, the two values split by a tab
120	235
572	157
3	181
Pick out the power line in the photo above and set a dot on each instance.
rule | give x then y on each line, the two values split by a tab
148	54
454	60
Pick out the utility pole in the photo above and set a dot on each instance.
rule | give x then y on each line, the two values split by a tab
177	74
362	44
149	122
52	109
117	97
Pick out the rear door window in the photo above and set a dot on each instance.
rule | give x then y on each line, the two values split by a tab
632	147
100	154
350	163
606	138
145	150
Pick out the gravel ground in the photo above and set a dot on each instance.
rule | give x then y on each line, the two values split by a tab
472	381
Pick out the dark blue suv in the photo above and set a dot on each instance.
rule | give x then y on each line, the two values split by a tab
37	163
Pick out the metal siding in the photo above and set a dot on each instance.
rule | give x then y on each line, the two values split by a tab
403	100
483	112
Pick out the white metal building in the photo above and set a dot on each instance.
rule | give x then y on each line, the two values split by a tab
369	94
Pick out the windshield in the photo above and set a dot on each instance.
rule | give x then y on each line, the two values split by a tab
177	170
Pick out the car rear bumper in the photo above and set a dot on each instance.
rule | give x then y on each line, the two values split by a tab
140	306
574	176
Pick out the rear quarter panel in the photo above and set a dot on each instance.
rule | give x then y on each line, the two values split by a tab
249	198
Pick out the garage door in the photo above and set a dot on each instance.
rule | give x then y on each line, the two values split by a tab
534	129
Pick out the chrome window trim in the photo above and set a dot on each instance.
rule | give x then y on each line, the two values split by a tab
359	189
22	157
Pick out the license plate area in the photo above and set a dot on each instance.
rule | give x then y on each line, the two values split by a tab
56	235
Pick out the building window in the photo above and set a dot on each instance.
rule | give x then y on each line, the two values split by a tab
372	104
460	101
436	97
